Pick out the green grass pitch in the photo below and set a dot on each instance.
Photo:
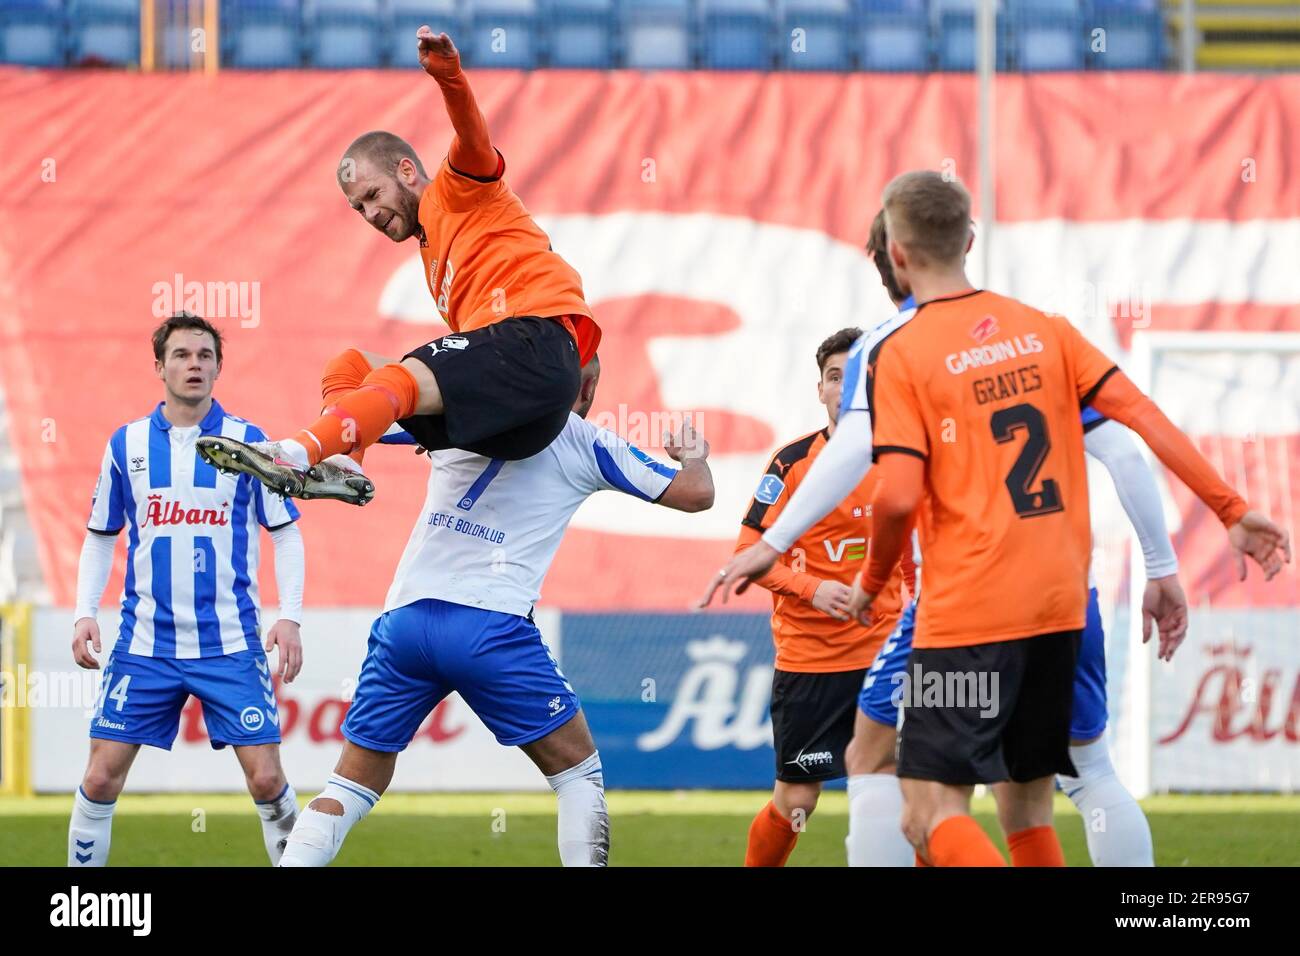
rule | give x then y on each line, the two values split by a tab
675	828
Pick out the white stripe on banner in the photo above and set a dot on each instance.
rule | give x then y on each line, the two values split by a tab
789	288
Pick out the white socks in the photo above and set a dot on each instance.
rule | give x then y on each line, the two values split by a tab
278	817
583	817
1115	827
876	822
317	836
294	452
90	831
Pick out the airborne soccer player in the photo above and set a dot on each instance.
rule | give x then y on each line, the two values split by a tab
190	616
459	618
821	653
502	384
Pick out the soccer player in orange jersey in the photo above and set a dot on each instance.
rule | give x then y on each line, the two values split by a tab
975	405
502	384
821	653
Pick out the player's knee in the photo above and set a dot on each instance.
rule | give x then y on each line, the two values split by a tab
102	784
795	802
916	827
326	805
265	783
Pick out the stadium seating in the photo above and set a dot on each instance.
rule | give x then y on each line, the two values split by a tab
1134	34
900	35
407	16
894	35
1047	34
584	33
504	33
105	31
657	34
737	34
262	33
344	33
824	40
31	32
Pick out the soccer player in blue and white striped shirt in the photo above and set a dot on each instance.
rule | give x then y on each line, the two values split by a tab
190	614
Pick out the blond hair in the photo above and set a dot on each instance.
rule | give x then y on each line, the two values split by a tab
928	215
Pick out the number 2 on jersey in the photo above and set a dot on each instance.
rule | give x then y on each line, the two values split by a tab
1020	479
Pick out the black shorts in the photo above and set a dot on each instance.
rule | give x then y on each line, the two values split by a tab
989	712
507	388
812	723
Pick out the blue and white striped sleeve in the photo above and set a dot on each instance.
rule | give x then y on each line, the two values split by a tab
854	394
626	468
273	510
108	508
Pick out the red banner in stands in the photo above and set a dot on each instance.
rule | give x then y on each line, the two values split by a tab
716	220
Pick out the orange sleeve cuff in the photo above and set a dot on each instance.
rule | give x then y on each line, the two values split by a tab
782	579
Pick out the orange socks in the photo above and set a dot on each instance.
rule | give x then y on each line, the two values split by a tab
771	838
343	373
360	417
1037	846
960	841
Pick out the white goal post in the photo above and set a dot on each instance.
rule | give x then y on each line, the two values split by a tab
1225	714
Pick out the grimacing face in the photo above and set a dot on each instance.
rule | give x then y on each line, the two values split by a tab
189	367
832	384
387	201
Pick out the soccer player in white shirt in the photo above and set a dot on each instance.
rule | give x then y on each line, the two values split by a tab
190	612
459	618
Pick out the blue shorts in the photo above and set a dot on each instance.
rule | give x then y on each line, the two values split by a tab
140	699
421	652
1087	720
877	699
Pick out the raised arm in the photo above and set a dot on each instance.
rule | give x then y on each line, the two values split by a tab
471	149
692	487
1249	532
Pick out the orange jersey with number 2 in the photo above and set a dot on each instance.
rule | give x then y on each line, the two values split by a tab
987	392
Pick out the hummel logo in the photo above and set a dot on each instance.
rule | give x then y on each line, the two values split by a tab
137	464
556	706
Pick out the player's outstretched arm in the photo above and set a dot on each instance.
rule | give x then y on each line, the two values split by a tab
692	487
92	577
829	597
839	469
1249	532
1164	604
471	149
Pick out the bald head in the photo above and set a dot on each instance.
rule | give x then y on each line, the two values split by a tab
929	216
383	179
381	149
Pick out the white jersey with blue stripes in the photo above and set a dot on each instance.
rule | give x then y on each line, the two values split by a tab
490	528
192	537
